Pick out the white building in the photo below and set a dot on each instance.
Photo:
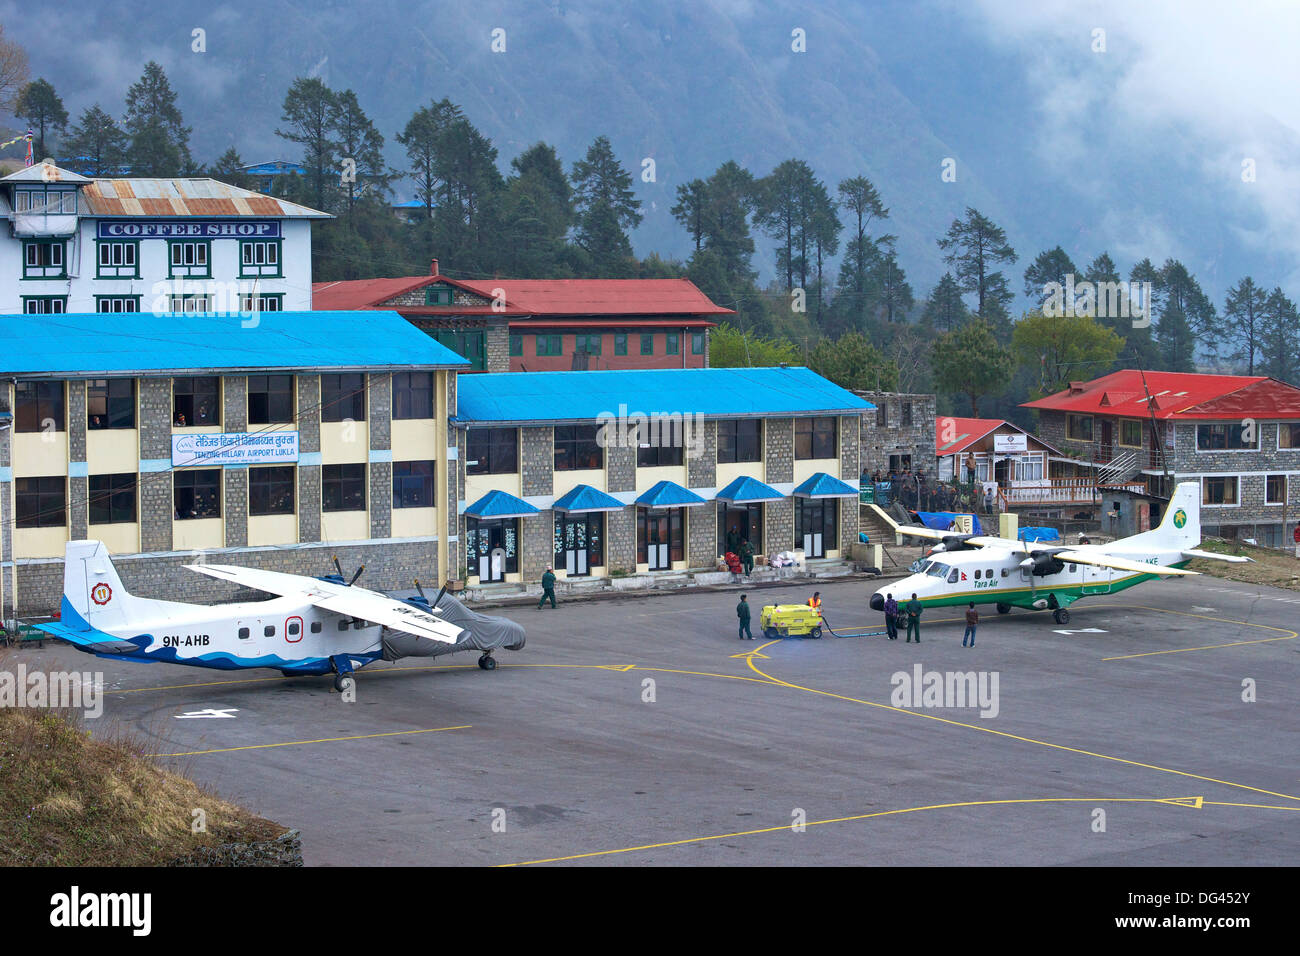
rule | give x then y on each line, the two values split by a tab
149	245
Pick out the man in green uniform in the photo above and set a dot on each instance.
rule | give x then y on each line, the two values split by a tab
548	588
913	620
742	612
747	556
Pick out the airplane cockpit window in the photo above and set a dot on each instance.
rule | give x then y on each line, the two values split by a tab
937	570
919	566
952	577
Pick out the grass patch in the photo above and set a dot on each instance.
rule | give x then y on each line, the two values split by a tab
1278	569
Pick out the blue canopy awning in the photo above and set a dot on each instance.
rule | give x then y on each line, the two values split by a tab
745	491
586	498
669	494
822	485
500	504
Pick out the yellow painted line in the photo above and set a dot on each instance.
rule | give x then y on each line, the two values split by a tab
1173	801
322	740
1204	647
1010	736
1288	634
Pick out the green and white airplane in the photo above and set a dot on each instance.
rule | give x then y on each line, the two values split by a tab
1037	576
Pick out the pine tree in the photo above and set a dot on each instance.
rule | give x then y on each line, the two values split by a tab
944	309
606	207
361	151
159	138
974	245
1050	266
308	117
95	145
1244	314
39	105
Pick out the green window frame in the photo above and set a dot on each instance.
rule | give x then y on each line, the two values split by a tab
261	257
45	259
516	344
697	343
620	343
117	303
189	258
261	302
439	295
45	304
470	344
647	343
671	344
549	345
117	258
590	344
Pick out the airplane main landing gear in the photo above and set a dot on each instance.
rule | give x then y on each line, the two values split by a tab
344	683
1061	616
487	662
1004	608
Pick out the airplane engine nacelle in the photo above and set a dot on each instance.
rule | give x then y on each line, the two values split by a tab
1042	563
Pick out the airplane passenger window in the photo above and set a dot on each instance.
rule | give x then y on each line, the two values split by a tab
1073	568
293	628
988	573
977	574
343	624
270	630
243	633
1004	572
315	627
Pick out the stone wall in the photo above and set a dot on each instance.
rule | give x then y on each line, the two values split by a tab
883	432
702	471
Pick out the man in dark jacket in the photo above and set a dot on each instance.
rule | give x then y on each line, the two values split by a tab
747	556
891	617
913	620
742	612
972	619
548	588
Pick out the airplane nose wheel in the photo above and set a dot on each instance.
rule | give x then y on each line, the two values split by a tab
487	662
1061	616
344	683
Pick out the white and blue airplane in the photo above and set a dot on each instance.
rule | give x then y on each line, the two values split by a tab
312	626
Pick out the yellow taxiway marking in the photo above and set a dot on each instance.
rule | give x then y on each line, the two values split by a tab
755	652
1193	802
1010	736
1287	633
322	740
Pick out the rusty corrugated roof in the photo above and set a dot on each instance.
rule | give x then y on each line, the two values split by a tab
186	197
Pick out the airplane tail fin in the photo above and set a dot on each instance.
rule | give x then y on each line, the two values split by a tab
93	594
1180	529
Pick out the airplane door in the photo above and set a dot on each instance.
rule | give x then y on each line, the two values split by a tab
1096	580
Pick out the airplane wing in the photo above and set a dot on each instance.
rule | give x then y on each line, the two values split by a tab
1119	564
360	603
1233	558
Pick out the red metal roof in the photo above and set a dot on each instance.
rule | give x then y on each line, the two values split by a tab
601	296
965	432
1178	396
361	293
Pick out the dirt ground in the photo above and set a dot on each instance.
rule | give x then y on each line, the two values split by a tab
1278	569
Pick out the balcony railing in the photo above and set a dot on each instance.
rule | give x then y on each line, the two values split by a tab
1061	491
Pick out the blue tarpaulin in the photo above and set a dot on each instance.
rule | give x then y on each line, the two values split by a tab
941	520
1039	534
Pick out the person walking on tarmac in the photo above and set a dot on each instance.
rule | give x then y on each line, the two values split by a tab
972	619
548	588
913	620
891	617
815	602
742	612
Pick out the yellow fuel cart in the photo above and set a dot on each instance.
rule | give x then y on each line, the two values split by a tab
790	620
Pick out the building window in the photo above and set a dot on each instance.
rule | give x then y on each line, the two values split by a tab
39	407
196	401
671	346
1130	433
197	494
1288	434
343	397
1219	491
1275	490
1229	437
271	490
44	259
439	295
905	413
41	502
576	447
882	415
647	343
492	451
259	257
189	259
117	303
270	399
112	498
469	344
697	343
413	484
1078	427
412	395
516	344
343	487
110	403
483	537
620	343
45	304
814	438
263	302
739	440
589	344
46	201
549	345
117	259
190	304
659	443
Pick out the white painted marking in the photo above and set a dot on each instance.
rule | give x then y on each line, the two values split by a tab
1084	630
209	712
1201	610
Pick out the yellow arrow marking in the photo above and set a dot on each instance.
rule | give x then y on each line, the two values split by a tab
322	740
1195	803
751	654
616	667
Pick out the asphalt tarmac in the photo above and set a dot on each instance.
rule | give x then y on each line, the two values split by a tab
1158	728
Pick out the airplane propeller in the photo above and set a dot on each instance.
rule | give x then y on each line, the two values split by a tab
339	568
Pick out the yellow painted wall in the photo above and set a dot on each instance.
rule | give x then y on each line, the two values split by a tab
805	469
344	525
416	439
414	522
727	473
337	449
33	457
646	478
123	538
200	430
113	451
566	481
272	529
196	534
40	542
476	486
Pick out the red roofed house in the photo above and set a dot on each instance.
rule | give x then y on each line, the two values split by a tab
1238	435
530	325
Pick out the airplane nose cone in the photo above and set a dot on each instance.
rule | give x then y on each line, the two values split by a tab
877	602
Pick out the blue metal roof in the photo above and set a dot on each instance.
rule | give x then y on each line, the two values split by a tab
93	345
500	504
669	494
822	485
714	392
586	498
744	490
